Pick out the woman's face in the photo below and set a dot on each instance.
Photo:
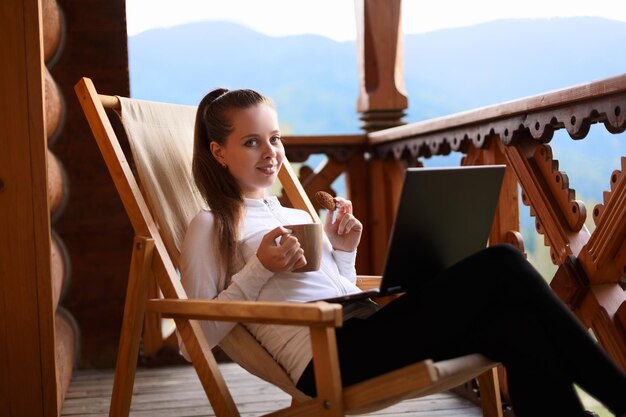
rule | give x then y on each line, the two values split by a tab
254	151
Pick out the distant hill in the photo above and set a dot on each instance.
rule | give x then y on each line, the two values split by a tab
313	79
446	71
507	59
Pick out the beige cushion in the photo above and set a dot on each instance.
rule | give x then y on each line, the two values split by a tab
161	142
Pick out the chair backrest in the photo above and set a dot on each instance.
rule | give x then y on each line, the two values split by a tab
160	136
161	141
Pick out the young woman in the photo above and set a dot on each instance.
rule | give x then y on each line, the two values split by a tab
494	302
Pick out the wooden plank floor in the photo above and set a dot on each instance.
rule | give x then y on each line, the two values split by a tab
176	392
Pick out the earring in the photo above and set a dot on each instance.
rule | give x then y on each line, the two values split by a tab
224	165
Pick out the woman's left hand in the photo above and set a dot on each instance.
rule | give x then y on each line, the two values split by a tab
345	231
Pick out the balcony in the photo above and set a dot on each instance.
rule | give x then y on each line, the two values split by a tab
63	315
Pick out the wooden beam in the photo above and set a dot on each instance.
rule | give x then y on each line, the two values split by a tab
385	184
356	177
552	219
380	58
27	349
555	99
604	256
506	223
382	97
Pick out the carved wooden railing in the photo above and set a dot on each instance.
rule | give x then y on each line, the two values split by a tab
516	133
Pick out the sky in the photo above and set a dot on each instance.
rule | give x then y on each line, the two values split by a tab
336	18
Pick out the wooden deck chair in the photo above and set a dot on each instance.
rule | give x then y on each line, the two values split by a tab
160	203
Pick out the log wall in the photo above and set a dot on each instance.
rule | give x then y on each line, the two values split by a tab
66	330
93	226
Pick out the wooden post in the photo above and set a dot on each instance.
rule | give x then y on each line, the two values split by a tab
356	177
27	328
382	98
385	183
381	102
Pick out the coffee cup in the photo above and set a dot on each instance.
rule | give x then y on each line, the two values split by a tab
310	237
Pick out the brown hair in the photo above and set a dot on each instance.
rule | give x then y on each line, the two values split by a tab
217	186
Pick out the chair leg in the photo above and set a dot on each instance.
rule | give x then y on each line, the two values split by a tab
490	393
327	376
152	335
130	336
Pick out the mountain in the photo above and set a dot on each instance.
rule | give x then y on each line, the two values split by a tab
446	71
507	59
313	79
305	75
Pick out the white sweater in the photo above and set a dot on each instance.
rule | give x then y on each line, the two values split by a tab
289	345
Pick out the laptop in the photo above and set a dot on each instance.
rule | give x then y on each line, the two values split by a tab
444	215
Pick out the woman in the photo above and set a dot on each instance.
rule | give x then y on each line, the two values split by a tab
240	250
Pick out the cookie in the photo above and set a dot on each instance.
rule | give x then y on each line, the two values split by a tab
326	200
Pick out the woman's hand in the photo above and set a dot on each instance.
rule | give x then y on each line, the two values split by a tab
345	231
280	257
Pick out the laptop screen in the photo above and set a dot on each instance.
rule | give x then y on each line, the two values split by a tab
443	216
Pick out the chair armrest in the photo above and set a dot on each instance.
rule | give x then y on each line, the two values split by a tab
367	282
310	314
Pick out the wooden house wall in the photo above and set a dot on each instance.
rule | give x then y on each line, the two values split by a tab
93	227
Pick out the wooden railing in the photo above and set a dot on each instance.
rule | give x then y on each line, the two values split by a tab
516	133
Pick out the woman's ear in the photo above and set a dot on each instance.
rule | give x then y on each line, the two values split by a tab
217	152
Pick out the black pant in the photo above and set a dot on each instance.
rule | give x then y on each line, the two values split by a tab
494	303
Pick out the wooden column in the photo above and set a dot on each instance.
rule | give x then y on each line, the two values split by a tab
381	102
356	176
27	327
382	97
385	182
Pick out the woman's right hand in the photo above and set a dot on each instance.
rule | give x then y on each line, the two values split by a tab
284	256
